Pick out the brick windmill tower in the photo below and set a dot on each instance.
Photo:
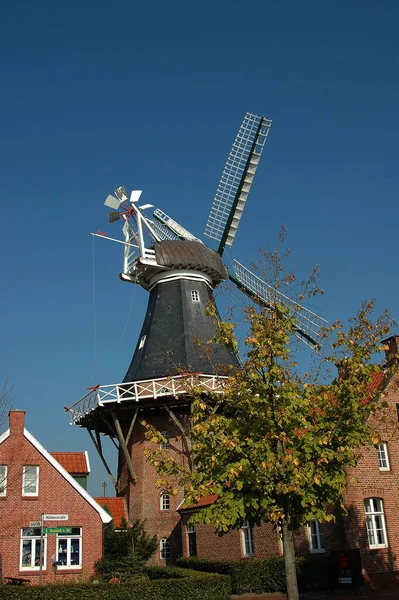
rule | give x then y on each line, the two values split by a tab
180	273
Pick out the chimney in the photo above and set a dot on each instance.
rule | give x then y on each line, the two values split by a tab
392	353
17	422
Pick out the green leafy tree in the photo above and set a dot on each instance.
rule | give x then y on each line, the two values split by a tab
276	446
126	550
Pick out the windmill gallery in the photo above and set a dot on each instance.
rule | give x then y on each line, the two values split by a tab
180	273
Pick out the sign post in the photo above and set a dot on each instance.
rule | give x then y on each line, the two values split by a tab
41	550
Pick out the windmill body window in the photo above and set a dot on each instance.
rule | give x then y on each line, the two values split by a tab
247	540
3	480
165	445
165	501
195	297
30	481
30	548
316	537
375	523
69	549
192	540
382	454
142	342
164	548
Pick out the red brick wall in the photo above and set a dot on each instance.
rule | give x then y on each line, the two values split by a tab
57	496
367	481
143	497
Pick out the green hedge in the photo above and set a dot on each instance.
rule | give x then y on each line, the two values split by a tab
255	575
193	587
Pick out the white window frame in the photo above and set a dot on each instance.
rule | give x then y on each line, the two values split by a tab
3	480
247	540
382	456
35	548
195	296
316	537
164	501
142	342
164	549
26	482
165	445
69	538
375	523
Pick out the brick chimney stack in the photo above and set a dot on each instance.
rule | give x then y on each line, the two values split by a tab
17	422
392	354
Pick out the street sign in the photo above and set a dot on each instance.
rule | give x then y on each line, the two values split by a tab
55	517
57	529
35	524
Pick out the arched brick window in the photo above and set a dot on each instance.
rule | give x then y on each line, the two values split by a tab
375	523
164	503
164	548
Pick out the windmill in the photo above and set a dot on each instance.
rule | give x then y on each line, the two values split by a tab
180	273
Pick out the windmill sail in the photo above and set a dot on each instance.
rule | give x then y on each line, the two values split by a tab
308	324
236	180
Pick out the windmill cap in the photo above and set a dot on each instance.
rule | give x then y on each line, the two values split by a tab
187	254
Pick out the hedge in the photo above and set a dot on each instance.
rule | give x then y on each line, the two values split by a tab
187	586
256	575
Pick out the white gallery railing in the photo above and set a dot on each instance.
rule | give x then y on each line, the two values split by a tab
174	386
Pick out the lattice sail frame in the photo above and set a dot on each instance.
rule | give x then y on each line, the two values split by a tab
236	180
308	323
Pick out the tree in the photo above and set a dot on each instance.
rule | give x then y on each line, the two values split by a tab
126	549
6	400
276	447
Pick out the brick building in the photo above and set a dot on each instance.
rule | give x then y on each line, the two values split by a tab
372	498
33	483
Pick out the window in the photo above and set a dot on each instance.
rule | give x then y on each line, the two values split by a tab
247	540
165	445
30	481
165	501
192	540
69	549
316	537
30	548
195	297
375	523
382	454
164	548
142	342
3	480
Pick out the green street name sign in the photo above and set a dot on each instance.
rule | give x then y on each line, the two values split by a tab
57	529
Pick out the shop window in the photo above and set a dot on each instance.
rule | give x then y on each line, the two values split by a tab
30	481
30	548
247	540
375	523
382	455
164	548
316	537
3	480
165	501
69	549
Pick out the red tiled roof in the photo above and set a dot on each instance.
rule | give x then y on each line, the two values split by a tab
116	506
204	501
377	379
74	462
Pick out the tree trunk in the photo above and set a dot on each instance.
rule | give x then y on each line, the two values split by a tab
289	561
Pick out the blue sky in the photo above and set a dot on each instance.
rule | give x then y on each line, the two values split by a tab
95	95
